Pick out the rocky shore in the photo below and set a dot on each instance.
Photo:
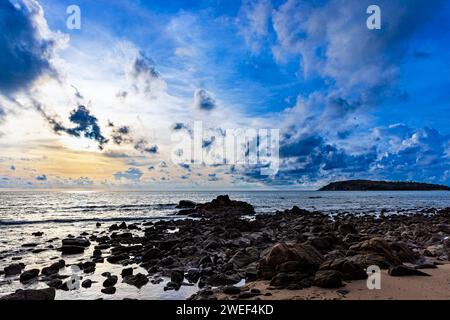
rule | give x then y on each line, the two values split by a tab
221	247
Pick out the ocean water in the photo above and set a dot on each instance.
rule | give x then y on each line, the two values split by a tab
58	214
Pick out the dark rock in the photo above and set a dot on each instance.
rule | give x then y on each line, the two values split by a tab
55	283
177	276
110	281
98	224
69	249
402	270
328	279
308	259
186	204
222	205
80	242
13	269
127	272
138	280
231	290
349	269
109	290
38	234
28	275
41	294
88	267
86	283
117	258
153	253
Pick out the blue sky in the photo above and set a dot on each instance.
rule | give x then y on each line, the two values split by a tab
349	102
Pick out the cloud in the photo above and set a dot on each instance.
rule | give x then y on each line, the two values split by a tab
27	46
132	174
203	100
142	145
213	177
253	22
121	135
146	79
42	177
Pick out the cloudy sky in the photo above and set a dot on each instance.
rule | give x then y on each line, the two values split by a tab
99	107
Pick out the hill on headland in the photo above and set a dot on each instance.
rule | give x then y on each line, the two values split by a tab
369	185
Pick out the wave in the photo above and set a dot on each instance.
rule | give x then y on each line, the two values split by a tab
124	206
75	220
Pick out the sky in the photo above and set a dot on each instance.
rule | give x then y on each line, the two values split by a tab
105	106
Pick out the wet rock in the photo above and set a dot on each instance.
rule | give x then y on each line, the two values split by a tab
139	280
41	294
127	272
68	249
186	204
328	279
231	290
88	267
117	258
369	259
29	275
38	234
109	290
13	269
222	205
293	281
110	281
192	275
54	283
244	257
98	224
53	269
177	276
86	283
153	253
79	241
402	270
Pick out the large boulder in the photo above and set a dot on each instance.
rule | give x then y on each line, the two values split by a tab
303	257
349	269
42	294
402	270
393	253
222	205
186	204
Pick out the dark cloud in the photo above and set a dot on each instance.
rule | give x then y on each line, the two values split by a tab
78	94
132	174
42	177
203	100
142	145
121	135
213	177
13	167
144	74
86	124
25	54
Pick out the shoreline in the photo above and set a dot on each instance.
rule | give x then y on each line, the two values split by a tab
209	257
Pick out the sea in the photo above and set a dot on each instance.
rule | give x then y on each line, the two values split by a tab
60	213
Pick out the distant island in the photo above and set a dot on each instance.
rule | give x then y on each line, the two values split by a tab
369	185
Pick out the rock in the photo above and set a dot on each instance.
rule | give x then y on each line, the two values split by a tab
370	259
186	204
55	283
98	224
425	266
109	290
328	279
13	269
28	275
117	258
222	205
88	267
347	228
127	272
308	259
402	270
177	276
86	283
231	290
69	249
349	269
244	257
153	253
139	280
192	275
292	281
79	241
38	234
41	294
394	253
110	281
